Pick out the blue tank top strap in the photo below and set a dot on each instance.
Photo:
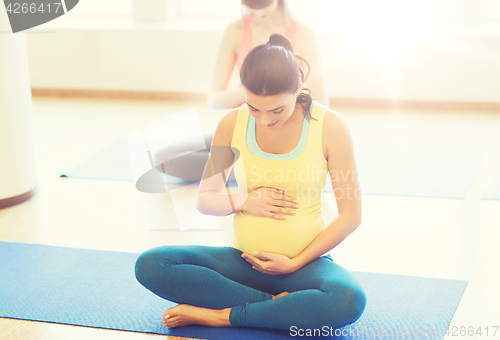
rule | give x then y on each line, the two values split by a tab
254	148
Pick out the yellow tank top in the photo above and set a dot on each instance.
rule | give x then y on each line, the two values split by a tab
301	173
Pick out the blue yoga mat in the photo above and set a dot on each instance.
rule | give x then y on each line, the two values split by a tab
493	190
97	288
421	175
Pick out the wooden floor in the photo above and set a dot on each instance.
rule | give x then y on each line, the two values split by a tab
442	238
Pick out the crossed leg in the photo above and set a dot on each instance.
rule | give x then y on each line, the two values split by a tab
215	286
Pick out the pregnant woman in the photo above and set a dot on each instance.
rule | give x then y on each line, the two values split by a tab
278	272
263	18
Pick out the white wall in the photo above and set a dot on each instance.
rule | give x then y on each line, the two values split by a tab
449	69
453	68
123	60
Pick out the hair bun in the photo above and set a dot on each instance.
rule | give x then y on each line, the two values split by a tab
277	39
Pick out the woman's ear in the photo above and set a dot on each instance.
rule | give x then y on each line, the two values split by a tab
299	89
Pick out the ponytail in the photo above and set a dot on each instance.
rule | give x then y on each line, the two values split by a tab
272	68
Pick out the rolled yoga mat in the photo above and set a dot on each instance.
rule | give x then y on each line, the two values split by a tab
96	288
398	174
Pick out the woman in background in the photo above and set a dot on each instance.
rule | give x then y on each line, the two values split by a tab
265	17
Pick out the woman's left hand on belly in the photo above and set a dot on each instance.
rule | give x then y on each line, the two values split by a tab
270	263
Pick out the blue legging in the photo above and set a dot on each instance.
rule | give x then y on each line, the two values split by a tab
322	293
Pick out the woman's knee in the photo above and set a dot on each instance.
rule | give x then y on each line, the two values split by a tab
356	300
149	263
346	306
143	266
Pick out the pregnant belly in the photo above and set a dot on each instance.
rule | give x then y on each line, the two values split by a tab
288	237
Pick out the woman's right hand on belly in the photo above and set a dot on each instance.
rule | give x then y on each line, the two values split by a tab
270	202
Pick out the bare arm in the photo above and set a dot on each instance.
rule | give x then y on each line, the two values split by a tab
213	197
309	48
345	183
219	96
216	199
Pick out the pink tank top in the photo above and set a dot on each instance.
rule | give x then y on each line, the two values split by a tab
246	44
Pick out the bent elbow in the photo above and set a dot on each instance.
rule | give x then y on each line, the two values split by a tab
357	221
199	205
354	221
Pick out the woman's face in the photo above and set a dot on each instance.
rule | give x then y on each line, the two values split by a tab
271	112
266	12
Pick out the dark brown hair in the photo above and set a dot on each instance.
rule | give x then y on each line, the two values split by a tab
256	4
272	68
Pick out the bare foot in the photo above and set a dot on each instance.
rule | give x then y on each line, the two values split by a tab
280	295
184	314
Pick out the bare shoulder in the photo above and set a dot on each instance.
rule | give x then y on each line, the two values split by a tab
235	26
336	133
225	129
334	119
232	34
238	24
